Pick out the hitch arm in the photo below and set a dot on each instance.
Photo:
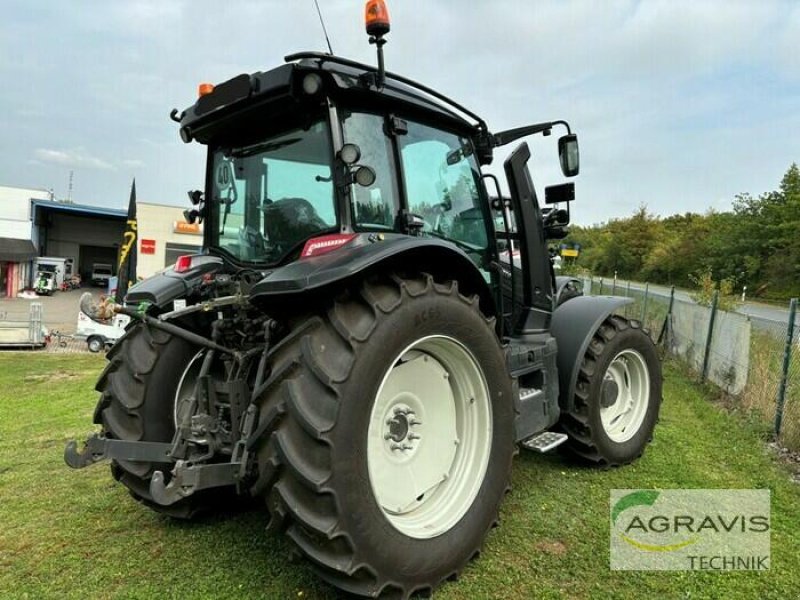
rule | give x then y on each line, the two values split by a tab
188	479
98	448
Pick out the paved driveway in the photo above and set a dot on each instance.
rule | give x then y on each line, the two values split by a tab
59	311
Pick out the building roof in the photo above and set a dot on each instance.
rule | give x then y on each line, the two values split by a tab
14	250
79	209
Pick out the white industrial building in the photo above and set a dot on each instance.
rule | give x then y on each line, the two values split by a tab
164	235
33	225
16	237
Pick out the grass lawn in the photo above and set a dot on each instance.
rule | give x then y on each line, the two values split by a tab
77	534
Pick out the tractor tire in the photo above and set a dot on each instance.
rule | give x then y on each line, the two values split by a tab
138	390
617	395
388	443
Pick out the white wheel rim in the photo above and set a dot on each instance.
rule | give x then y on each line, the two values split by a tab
429	437
624	395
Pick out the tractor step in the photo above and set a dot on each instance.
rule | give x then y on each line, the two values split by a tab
545	441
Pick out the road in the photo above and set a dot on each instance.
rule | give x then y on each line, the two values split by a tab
763	316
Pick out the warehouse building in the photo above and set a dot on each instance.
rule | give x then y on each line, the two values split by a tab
33	225
82	234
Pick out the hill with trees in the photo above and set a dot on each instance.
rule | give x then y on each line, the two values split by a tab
757	244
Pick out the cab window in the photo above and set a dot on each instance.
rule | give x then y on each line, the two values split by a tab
376	206
441	181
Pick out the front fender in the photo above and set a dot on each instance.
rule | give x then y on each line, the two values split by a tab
573	325
566	288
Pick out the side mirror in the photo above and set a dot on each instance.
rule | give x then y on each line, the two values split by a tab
191	215
568	155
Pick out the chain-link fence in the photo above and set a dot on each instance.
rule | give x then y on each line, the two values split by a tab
755	359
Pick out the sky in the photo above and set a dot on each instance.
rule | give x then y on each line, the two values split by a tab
679	105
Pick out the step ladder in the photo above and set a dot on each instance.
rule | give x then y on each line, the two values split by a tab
545	441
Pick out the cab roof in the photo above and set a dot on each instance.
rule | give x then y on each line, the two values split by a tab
355	82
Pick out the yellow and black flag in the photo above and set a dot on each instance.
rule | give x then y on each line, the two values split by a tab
126	269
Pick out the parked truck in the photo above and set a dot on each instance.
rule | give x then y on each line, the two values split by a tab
346	347
101	274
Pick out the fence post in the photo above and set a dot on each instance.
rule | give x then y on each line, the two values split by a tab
628	290
668	318
614	285
787	358
601	287
644	306
714	301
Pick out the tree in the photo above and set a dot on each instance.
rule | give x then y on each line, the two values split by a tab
756	244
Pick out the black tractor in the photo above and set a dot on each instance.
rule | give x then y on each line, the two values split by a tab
357	345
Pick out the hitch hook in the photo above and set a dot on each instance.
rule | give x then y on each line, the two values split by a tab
188	478
172	492
93	451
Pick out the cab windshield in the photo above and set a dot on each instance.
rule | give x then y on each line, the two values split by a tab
270	195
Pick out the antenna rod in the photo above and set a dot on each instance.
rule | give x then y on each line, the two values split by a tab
324	30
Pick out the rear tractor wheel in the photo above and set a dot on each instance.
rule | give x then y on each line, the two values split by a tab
392	437
617	397
148	380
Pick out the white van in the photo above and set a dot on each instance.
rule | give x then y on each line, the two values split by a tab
101	273
100	335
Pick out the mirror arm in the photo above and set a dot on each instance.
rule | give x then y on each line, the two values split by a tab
509	135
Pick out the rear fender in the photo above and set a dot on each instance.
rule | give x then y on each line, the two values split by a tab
573	325
367	254
163	288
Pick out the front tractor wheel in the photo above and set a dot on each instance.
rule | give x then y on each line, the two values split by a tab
617	396
392	436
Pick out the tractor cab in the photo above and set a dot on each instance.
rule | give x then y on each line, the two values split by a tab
323	154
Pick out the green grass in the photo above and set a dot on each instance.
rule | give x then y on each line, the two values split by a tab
77	534
763	379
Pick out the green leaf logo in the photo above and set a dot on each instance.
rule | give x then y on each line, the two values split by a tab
640	498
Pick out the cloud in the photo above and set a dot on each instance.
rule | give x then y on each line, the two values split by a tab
132	163
672	100
76	159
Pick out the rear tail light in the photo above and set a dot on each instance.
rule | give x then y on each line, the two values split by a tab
183	264
325	243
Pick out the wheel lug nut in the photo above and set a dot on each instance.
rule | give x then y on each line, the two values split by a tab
413	436
413	422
